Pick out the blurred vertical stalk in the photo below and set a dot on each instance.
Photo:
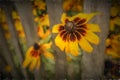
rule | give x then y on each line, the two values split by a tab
24	9
7	54
93	64
8	12
54	9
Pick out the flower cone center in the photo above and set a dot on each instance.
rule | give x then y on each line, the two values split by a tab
36	46
69	26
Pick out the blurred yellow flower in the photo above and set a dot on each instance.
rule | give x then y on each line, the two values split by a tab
40	4
75	30
72	4
43	34
113	22
18	25
33	54
2	16
114	10
5	26
15	15
21	33
7	35
113	46
44	20
34	11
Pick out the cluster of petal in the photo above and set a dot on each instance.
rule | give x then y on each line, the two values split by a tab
113	22
32	58
44	20
40	4
43	33
18	25
72	5
76	31
113	46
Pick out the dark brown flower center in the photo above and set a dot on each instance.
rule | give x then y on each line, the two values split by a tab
36	46
69	26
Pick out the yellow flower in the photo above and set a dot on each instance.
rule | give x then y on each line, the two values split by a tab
72	4
114	11
15	15
2	16
113	22
21	33
5	26
44	20
33	54
40	4
34	11
43	34
7	35
75	30
113	48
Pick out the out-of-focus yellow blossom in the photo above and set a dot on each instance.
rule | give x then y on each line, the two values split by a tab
8	68
113	22
5	26
113	46
43	34
115	10
2	16
72	4
7	35
76	30
34	11
44	20
18	25
15	15
32	58
40	4
21	34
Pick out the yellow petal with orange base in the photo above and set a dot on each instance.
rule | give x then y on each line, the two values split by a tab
63	18
59	42
73	48
85	16
56	27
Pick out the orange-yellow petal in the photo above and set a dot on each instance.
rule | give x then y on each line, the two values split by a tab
91	37
49	55
93	27
33	63
55	28
63	18
59	42
85	45
66	5
73	48
47	45
26	62
28	52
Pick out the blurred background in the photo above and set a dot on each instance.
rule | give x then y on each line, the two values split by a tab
22	23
